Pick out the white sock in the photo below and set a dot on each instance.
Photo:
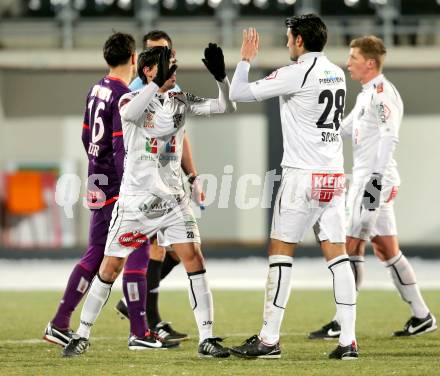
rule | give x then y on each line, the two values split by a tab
276	297
200	298
404	279
95	300
357	267
344	291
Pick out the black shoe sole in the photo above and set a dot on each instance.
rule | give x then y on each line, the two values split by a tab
174	340
244	356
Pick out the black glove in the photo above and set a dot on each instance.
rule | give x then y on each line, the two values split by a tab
164	71
215	61
371	199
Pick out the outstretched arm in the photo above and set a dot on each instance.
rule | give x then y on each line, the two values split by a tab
240	88
215	63
283	81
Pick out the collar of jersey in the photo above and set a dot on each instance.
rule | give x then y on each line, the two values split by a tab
373	82
116	79
309	55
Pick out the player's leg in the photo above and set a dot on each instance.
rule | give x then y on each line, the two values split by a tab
161	263
153	271
356	250
292	217
422	321
356	253
134	286
200	297
157	255
58	331
181	231
330	231
277	293
170	261
154	274
127	233
344	292
97	296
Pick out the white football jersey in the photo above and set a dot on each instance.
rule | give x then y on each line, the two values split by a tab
312	97
153	140
377	114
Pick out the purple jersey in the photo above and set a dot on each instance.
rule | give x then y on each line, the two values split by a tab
102	139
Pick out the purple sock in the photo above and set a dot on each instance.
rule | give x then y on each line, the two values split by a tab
134	284
77	286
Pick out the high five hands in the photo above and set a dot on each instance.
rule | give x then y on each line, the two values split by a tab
164	70
251	44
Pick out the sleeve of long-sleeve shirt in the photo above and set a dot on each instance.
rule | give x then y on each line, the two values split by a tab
347	125
118	142
389	117
133	105
207	106
283	81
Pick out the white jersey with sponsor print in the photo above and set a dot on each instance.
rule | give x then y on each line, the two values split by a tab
374	126
312	97
153	130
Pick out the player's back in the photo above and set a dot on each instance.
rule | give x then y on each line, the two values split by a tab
102	124
311	115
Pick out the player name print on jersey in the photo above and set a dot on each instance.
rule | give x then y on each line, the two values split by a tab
101	92
326	186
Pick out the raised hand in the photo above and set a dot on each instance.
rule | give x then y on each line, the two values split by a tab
215	61
250	45
164	70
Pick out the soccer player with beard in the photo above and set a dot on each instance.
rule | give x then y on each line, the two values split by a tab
311	92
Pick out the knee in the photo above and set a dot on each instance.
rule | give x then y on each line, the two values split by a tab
194	259
385	249
109	271
355	247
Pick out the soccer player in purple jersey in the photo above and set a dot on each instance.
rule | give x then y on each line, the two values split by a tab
103	142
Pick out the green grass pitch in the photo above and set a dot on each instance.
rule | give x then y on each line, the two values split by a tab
23	316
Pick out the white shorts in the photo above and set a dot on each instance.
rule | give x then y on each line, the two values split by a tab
309	199
364	224
132	224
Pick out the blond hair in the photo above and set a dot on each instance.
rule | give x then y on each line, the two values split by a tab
371	47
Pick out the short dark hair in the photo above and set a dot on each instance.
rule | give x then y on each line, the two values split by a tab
148	58
156	35
118	49
312	30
